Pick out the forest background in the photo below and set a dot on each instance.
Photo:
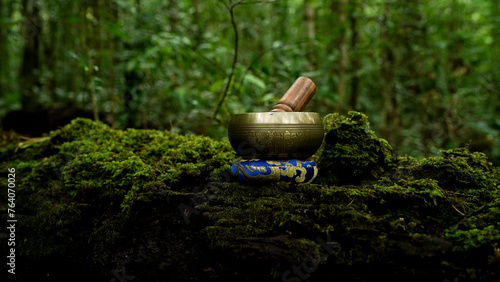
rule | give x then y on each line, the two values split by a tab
425	72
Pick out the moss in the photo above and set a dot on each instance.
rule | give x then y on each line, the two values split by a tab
87	171
298	249
403	213
466	171
90	193
350	152
477	236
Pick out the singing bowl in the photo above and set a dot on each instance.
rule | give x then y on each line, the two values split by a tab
276	135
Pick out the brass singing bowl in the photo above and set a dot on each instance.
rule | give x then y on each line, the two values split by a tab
276	135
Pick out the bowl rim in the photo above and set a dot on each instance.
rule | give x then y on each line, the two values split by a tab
277	118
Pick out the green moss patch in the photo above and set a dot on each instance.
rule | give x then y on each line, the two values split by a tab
151	201
351	153
84	178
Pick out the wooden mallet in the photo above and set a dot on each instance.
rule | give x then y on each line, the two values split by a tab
297	96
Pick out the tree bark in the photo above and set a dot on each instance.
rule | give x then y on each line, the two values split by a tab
495	14
50	59
96	32
132	78
3	56
310	26
338	8
69	43
455	62
95	57
173	15
387	71
112	18
355	61
28	76
197	29
87	42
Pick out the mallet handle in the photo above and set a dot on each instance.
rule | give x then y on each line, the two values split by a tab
297	96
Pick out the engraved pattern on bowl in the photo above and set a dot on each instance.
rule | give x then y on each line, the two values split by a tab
276	135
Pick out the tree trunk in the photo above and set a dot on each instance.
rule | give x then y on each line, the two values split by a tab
96	32
95	59
112	18
338	8
132	77
355	61
50	59
387	71
495	14
310	24
455	63
9	78
173	15
77	29
3	55
87	42
197	29
28	76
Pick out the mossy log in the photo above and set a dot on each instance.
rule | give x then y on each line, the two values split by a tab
146	205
